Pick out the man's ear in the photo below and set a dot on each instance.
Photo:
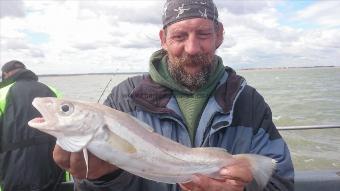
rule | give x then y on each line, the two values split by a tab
220	35
4	75
162	37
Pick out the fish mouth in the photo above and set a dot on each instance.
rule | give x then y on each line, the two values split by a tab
38	122
45	107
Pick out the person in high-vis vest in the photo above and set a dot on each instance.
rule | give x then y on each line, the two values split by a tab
26	161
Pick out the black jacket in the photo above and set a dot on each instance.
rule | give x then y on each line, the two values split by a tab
235	118
26	161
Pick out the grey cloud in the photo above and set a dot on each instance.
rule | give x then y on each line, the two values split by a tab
267	56
331	40
141	37
86	46
228	41
94	44
36	53
15	44
11	8
241	7
324	13
139	16
274	34
140	43
281	36
135	14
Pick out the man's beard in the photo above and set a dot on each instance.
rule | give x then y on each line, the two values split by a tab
188	80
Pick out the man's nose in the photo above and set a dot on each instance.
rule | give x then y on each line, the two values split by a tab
192	45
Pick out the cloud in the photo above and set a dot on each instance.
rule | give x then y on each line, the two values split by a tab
260	39
323	13
37	53
15	44
86	46
123	11
11	8
72	36
244	7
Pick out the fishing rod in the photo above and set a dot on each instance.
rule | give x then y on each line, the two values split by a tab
104	89
308	127
107	84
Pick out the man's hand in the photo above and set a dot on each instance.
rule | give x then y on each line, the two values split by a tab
236	177
75	164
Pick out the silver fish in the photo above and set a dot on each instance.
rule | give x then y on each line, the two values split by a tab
130	144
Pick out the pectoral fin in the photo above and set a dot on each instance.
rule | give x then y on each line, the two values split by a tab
86	157
120	144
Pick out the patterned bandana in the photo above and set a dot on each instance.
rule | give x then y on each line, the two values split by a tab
178	10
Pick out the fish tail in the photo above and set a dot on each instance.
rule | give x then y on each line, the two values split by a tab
262	167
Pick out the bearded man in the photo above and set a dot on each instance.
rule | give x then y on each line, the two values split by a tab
190	97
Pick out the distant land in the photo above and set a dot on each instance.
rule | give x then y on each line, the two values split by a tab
288	67
99	73
128	73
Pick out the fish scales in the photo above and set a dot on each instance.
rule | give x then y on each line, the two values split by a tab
131	144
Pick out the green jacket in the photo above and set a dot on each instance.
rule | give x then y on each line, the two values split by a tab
26	160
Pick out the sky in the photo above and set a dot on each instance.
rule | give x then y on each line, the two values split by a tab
105	36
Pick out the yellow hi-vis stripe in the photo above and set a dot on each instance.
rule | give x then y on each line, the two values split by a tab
68	177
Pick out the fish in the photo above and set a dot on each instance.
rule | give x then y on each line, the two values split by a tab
132	145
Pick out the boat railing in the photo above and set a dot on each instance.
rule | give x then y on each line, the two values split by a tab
314	180
307	127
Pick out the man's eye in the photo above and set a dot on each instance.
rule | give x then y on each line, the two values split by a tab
178	37
204	35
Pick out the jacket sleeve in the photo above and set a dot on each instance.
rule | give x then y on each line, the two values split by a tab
122	182
267	141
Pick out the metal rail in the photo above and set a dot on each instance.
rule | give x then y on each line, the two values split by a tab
307	127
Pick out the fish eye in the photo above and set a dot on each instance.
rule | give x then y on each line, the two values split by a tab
66	108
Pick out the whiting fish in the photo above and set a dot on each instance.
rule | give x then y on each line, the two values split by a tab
130	144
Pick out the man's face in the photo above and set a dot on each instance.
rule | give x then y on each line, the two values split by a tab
191	46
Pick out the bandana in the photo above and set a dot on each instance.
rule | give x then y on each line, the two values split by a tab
178	10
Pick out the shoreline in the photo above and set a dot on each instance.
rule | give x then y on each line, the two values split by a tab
290	67
240	69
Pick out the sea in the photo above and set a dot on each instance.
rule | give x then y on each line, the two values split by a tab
297	97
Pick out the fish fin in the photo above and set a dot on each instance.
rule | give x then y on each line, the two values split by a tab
74	143
119	143
262	167
86	157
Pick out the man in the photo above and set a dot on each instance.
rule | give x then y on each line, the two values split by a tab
26	161
190	97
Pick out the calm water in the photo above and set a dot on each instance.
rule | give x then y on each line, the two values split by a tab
302	96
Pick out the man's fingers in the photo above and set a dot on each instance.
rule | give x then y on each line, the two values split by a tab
205	183
240	172
186	186
61	157
75	164
201	183
235	183
98	167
